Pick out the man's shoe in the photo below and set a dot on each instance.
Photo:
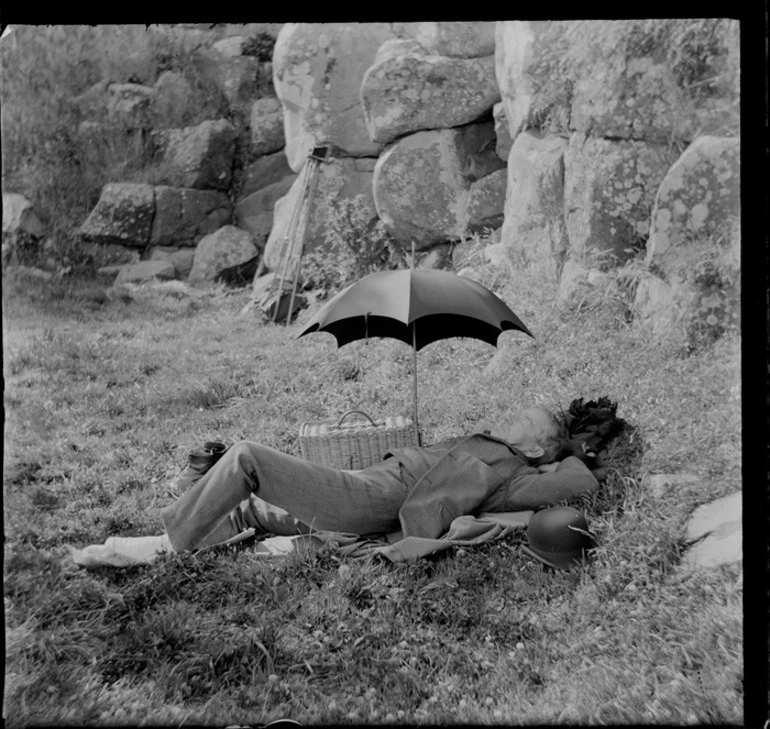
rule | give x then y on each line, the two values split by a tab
199	462
215	448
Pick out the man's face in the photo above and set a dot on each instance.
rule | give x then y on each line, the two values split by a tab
527	429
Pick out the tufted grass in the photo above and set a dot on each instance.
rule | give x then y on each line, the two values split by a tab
106	391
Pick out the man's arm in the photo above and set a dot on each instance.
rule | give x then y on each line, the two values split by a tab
570	478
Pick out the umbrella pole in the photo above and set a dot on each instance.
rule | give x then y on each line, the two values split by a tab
414	373
414	362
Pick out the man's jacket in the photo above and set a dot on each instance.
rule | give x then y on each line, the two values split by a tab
479	473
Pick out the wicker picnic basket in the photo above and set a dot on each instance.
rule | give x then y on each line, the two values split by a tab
356	444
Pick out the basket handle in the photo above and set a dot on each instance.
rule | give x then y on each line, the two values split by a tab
360	412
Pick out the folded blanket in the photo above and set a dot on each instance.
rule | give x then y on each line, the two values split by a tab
463	531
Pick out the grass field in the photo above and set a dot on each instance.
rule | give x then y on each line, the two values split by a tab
106	391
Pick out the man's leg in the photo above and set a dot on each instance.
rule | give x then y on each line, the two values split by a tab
292	536
326	498
255	513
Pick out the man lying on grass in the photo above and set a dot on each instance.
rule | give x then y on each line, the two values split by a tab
413	492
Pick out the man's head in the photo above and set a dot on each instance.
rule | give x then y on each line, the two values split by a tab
538	434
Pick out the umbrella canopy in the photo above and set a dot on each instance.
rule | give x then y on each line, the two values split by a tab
416	306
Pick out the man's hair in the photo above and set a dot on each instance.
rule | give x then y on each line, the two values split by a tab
554	443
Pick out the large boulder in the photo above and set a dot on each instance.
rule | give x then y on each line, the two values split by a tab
626	79
230	47
633	90
23	230
342	179
523	61
19	217
407	90
695	240
123	215
185	215
423	184
263	171
199	156
486	205
696	203
453	38
173	97
317	73
255	211
609	190
266	125
236	77
659	308
181	258
227	247
534	230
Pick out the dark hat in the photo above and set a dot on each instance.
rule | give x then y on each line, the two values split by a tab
559	537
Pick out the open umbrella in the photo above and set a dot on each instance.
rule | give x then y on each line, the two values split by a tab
417	306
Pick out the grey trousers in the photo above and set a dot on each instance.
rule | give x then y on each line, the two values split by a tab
308	497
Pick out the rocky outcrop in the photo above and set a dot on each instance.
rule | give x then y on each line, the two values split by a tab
317	73
407	90
138	215
534	230
227	247
692	290
185	215
22	228
263	171
180	258
660	308
613	79
173	95
266	126
609	189
20	218
422	119
640	96
340	179
698	197
487	201
236	76
594	179
200	156
123	215
453	160
256	211
523	53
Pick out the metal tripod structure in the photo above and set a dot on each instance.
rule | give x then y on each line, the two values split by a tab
299	224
